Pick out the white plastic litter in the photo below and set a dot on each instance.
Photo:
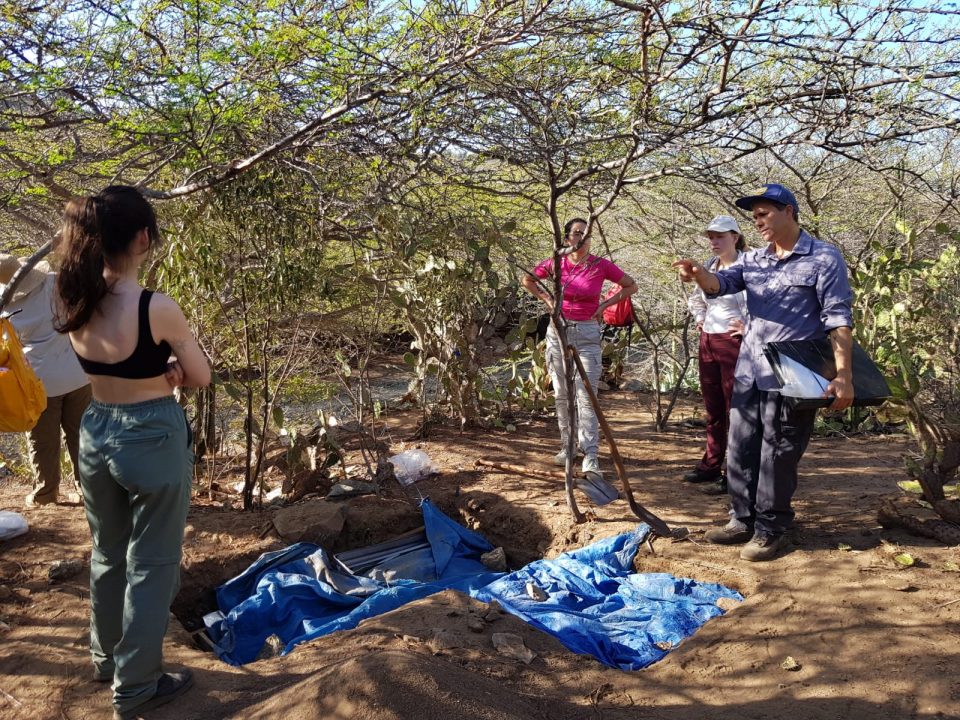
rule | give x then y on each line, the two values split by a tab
412	465
12	524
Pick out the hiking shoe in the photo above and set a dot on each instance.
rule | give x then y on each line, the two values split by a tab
763	547
33	501
715	488
561	457
169	686
591	465
701	476
733	533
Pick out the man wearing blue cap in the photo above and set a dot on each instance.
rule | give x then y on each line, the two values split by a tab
797	289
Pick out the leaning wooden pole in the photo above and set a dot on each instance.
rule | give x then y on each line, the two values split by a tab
656	524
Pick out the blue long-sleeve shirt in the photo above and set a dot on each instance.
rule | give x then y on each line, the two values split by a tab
801	296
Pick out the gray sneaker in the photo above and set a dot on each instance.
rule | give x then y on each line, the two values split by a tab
763	547
591	464
561	457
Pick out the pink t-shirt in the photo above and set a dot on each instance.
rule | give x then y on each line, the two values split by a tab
581	283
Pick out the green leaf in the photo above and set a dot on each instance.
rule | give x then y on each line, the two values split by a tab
843	547
233	391
951	566
278	416
910	486
904	559
410	359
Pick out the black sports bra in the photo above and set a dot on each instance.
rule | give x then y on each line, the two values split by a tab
148	359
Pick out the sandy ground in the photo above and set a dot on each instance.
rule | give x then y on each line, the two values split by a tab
872	641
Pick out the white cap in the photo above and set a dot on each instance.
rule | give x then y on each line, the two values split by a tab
723	223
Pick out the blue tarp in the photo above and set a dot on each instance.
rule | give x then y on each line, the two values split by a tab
596	604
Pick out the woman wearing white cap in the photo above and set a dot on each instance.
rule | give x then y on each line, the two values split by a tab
721	322
51	357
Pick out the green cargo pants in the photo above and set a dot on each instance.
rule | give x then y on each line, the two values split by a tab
135	472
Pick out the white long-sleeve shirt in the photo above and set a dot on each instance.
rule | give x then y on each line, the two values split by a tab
716	314
48	352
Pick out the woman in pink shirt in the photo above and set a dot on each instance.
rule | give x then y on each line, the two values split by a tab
581	279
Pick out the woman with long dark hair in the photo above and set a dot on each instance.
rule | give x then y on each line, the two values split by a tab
581	279
721	322
135	460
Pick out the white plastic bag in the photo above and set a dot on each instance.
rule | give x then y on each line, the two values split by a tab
12	524
412	465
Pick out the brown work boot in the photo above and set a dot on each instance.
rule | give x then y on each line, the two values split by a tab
715	488
733	533
763	547
169	686
701	476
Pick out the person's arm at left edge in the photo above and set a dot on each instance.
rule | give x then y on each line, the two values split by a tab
836	299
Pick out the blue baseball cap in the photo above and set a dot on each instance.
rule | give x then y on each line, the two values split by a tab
770	191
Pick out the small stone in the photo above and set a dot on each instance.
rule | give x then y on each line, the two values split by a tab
493	611
511	646
664	645
535	592
495	560
475	624
63	569
442	640
790	665
727	604
272	647
411	639
474	504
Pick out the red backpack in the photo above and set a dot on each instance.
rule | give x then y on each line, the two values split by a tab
619	314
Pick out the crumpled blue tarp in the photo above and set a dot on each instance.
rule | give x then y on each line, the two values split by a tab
596	604
299	594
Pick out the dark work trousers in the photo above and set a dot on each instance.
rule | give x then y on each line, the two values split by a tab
718	358
767	440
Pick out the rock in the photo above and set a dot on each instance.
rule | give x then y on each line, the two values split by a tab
633	386
272	647
349	488
495	560
493	611
727	604
511	646
602	386
442	640
475	624
318	521
790	665
63	569
5	593
535	592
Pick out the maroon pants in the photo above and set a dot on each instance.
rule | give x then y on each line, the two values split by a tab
718	358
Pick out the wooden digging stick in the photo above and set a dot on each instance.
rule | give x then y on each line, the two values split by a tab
656	524
523	470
